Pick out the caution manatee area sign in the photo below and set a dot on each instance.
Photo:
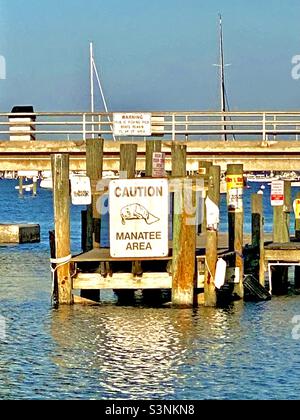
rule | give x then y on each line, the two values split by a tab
139	218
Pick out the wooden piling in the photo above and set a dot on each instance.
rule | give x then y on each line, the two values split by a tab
234	178
184	244
297	237
184	234
128	156
203	170
258	233
94	168
34	187
179	156
210	295
21	180
152	146
281	217
61	199
281	234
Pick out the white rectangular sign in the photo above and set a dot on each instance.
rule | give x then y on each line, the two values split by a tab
132	124
81	191
277	193
139	211
158	165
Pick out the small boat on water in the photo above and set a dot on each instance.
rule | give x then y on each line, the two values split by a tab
262	177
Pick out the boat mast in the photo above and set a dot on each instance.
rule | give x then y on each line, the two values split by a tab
92	84
222	77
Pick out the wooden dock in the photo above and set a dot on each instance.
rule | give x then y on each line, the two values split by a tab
189	146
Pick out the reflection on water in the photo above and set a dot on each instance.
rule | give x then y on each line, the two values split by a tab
111	352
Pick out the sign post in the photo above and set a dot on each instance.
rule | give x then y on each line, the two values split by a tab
139	211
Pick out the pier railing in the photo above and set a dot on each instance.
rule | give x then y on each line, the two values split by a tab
171	125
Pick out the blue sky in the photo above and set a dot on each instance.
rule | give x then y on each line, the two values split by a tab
152	54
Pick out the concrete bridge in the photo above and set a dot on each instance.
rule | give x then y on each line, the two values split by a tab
272	138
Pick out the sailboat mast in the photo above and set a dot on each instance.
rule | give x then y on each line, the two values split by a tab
222	76
92	77
92	84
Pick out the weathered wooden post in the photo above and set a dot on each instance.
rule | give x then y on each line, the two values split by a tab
128	158
213	194
281	222
21	180
94	168
203	170
91	220
34	187
235	187
297	237
184	230
258	233
184	243
179	155
152	146
281	234
61	199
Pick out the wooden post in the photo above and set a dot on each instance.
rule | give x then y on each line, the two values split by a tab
297	237
128	155
281	234
210	295
184	244
179	153
152	146
21	179
281	221
204	167
34	188
235	181
258	233
94	168
61	199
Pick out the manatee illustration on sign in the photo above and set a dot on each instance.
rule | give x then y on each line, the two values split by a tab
137	212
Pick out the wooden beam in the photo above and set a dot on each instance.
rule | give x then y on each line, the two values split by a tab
184	246
61	199
152	146
234	178
258	233
210	295
122	281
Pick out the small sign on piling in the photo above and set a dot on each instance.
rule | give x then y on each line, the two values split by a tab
277	193
235	188
158	166
81	192
139	211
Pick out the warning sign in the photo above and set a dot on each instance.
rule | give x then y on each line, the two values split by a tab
235	189
277	193
158	166
139	211
132	124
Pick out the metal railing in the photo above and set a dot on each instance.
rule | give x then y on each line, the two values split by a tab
171	125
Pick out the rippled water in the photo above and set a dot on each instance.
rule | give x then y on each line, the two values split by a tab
112	352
